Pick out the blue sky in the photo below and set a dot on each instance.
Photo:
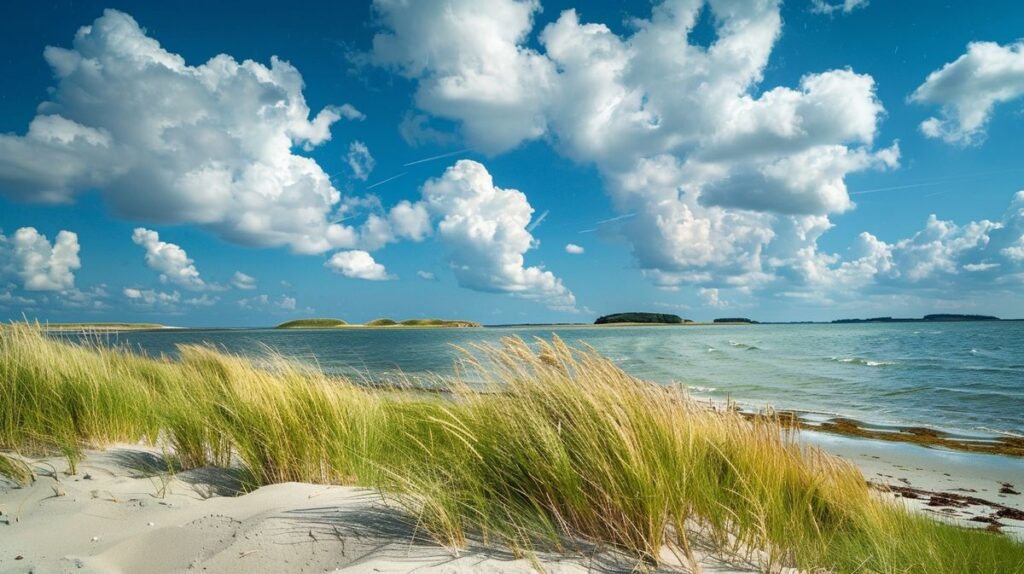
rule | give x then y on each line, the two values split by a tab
203	164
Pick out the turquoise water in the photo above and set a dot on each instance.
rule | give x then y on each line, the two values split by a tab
961	377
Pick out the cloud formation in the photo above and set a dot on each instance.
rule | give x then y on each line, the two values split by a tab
573	249
28	257
359	160
357	264
169	260
484	230
719	170
242	281
263	302
168	142
829	9
968	88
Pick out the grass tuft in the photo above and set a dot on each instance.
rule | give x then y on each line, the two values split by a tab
556	447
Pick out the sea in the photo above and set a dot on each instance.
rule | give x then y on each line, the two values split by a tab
965	378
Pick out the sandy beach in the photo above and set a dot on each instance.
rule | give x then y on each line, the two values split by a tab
124	511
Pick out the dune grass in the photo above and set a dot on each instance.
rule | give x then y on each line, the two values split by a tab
565	448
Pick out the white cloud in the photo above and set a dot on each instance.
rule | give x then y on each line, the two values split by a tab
169	142
942	258
484	229
203	300
428	275
357	264
573	249
242	281
968	88
359	160
846	6
471	66
349	112
169	260
719	170
711	298
152	300
263	302
28	257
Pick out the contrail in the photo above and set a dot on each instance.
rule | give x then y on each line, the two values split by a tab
609	220
392	178
537	221
442	156
896	187
620	217
936	181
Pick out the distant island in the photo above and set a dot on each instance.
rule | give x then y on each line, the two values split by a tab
636	317
312	324
938	317
322	323
736	320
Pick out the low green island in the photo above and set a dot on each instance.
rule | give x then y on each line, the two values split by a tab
937	317
319	323
326	323
642	318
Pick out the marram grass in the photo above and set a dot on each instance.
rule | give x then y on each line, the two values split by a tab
559	446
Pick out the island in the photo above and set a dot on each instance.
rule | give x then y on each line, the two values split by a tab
641	318
937	318
384	323
319	323
741	320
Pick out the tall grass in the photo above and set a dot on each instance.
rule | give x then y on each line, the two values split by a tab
563	447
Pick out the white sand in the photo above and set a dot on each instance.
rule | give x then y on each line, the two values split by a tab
115	515
937	470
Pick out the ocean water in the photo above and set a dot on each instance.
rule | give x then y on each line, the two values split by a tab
964	378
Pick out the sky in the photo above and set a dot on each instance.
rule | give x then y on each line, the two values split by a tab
510	161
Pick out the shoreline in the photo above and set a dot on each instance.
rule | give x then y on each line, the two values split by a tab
125	509
572	449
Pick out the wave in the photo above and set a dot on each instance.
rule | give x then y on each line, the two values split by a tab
700	389
744	346
862	361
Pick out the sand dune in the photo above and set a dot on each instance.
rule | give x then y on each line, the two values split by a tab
122	511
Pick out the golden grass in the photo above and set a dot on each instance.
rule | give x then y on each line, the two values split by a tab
563	447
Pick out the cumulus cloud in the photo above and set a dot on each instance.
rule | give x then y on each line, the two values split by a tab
720	171
711	298
359	160
153	300
263	302
573	249
28	257
405	220
242	281
829	9
968	88
204	300
484	230
168	142
357	264
943	257
428	275
471	66
169	260
349	112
